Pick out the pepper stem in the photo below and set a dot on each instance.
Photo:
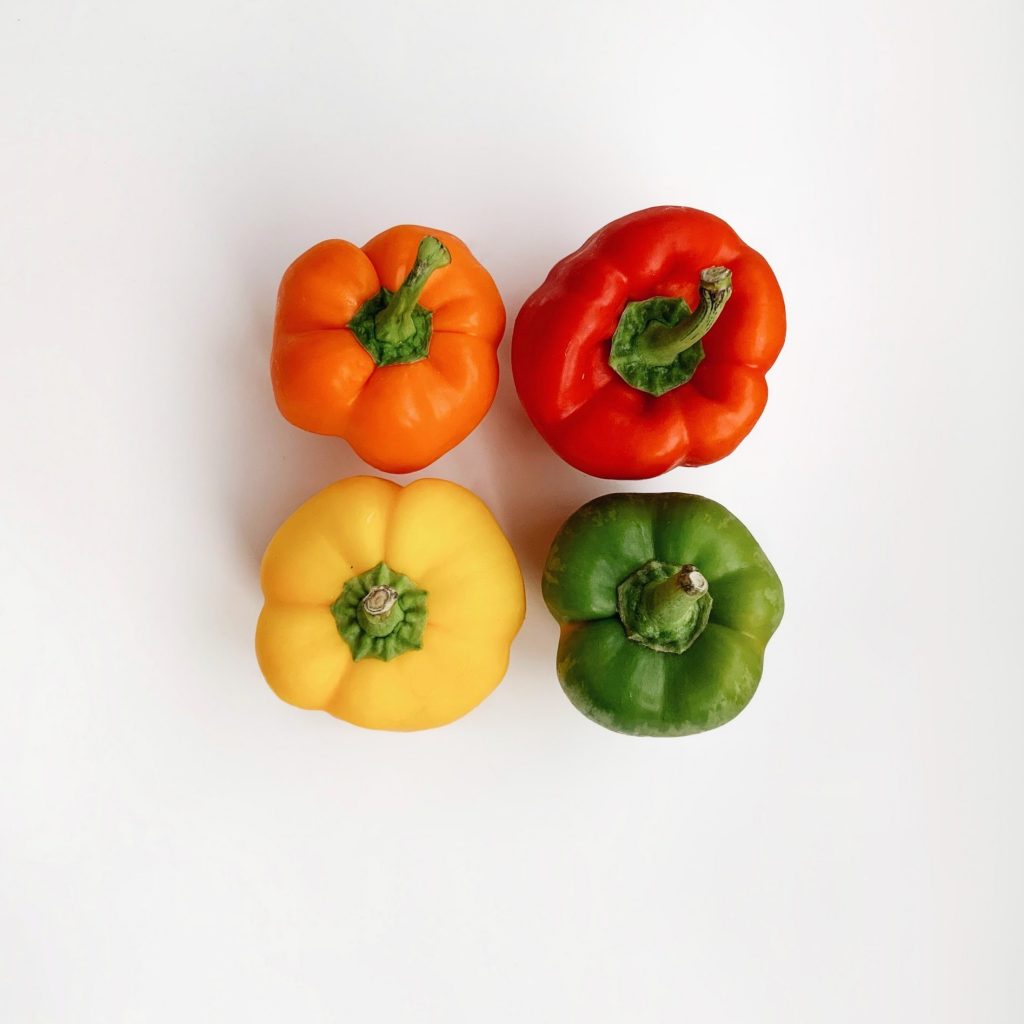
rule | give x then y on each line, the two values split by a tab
378	612
671	601
664	607
394	324
658	344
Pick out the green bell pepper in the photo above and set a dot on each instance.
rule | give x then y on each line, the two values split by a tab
666	603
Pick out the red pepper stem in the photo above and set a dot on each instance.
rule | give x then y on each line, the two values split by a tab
658	344
394	324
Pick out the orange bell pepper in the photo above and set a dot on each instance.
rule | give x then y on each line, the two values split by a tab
392	347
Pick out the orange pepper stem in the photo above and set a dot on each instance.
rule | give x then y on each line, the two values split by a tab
658	344
394	324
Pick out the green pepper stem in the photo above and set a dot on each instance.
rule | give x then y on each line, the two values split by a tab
379	612
394	323
658	344
668	604
663	606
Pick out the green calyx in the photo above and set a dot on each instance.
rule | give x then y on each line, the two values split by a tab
664	607
381	614
657	343
608	662
392	326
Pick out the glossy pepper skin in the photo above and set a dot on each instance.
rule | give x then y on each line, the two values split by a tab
389	607
392	346
665	603
703	359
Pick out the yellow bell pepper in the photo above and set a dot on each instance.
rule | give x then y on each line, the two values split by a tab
390	607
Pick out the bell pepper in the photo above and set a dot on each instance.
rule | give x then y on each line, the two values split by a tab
389	607
392	346
665	603
647	348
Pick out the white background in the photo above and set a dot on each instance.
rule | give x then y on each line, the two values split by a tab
178	845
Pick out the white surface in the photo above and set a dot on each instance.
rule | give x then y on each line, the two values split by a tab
175	844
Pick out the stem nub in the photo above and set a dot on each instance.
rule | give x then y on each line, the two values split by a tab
692	581
378	612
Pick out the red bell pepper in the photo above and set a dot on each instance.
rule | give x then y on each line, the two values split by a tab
647	348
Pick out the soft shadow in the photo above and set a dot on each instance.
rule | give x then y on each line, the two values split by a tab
533	491
271	466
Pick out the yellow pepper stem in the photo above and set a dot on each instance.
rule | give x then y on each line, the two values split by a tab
379	612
